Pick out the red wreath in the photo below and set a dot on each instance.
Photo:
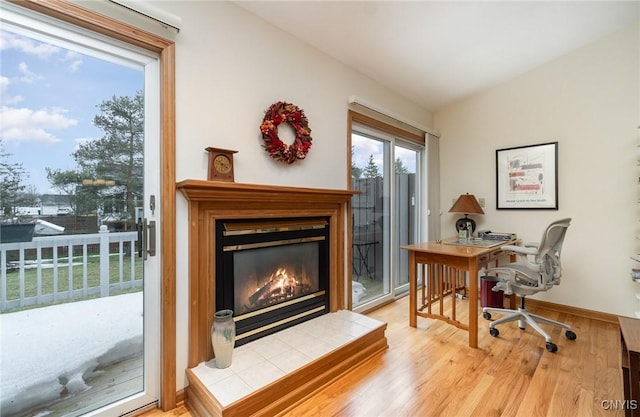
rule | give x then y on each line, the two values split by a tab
285	112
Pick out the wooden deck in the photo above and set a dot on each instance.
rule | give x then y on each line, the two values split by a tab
107	385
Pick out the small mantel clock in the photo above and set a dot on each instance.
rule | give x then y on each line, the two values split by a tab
220	164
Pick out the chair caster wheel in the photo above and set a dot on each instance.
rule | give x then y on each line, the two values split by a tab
493	332
486	315
552	347
570	335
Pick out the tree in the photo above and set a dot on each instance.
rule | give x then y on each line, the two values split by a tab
399	167
68	182
356	171
111	167
11	183
371	170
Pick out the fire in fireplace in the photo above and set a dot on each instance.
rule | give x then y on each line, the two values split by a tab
272	273
267	276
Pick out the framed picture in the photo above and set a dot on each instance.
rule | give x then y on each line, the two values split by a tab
527	177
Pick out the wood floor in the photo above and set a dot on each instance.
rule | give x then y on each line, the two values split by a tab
431	371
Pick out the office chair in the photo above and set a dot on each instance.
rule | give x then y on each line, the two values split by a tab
538	268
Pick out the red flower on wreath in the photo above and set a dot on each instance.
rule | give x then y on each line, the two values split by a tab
289	113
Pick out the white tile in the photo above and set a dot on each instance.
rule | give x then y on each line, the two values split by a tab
338	339
307	325
295	339
208	374
290	360
269	346
369	322
355	329
348	315
230	389
261	375
321	332
319	349
245	358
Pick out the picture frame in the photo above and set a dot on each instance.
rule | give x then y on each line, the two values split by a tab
527	177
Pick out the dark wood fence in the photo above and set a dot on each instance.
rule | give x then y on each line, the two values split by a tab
369	210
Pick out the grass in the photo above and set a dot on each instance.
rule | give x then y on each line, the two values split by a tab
47	279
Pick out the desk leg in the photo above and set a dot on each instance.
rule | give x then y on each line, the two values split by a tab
473	303
413	289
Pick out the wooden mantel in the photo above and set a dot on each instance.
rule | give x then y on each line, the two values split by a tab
200	190
213	200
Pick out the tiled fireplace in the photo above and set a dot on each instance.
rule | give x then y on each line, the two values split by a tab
276	256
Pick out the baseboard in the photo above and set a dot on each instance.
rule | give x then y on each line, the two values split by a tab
576	311
180	396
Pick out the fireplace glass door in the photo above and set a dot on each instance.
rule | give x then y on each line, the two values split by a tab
272	273
265	277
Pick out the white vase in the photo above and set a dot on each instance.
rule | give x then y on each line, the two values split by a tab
223	337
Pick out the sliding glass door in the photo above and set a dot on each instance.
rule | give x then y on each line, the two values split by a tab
385	170
79	304
371	218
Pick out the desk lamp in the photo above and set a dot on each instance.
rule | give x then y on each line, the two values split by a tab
466	204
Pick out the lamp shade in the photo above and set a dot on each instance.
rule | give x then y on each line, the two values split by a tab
466	204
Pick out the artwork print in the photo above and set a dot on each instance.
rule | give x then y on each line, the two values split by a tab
527	177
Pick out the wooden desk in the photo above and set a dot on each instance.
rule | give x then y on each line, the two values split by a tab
630	344
446	263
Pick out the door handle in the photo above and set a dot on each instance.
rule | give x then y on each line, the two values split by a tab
147	238
151	236
140	229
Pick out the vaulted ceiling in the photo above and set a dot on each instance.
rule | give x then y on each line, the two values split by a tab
437	52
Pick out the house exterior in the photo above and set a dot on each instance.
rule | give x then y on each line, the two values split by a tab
47	205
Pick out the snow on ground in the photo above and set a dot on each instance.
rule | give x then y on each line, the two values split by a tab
46	350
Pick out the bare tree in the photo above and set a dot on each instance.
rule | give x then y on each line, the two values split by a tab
12	185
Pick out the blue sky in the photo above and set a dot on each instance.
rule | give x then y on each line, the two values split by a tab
48	98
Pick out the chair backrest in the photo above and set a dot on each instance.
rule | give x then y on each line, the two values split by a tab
549	250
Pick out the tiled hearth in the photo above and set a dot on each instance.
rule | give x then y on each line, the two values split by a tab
264	366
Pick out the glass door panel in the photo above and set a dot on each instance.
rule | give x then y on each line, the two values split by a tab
371	219
406	201
75	310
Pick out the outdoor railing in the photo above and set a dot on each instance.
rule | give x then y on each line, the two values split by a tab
50	269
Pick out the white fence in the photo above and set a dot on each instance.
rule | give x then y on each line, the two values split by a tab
20	288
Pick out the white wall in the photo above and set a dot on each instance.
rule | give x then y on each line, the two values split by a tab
231	66
588	101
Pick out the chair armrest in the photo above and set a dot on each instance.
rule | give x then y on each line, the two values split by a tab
523	250
532	245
